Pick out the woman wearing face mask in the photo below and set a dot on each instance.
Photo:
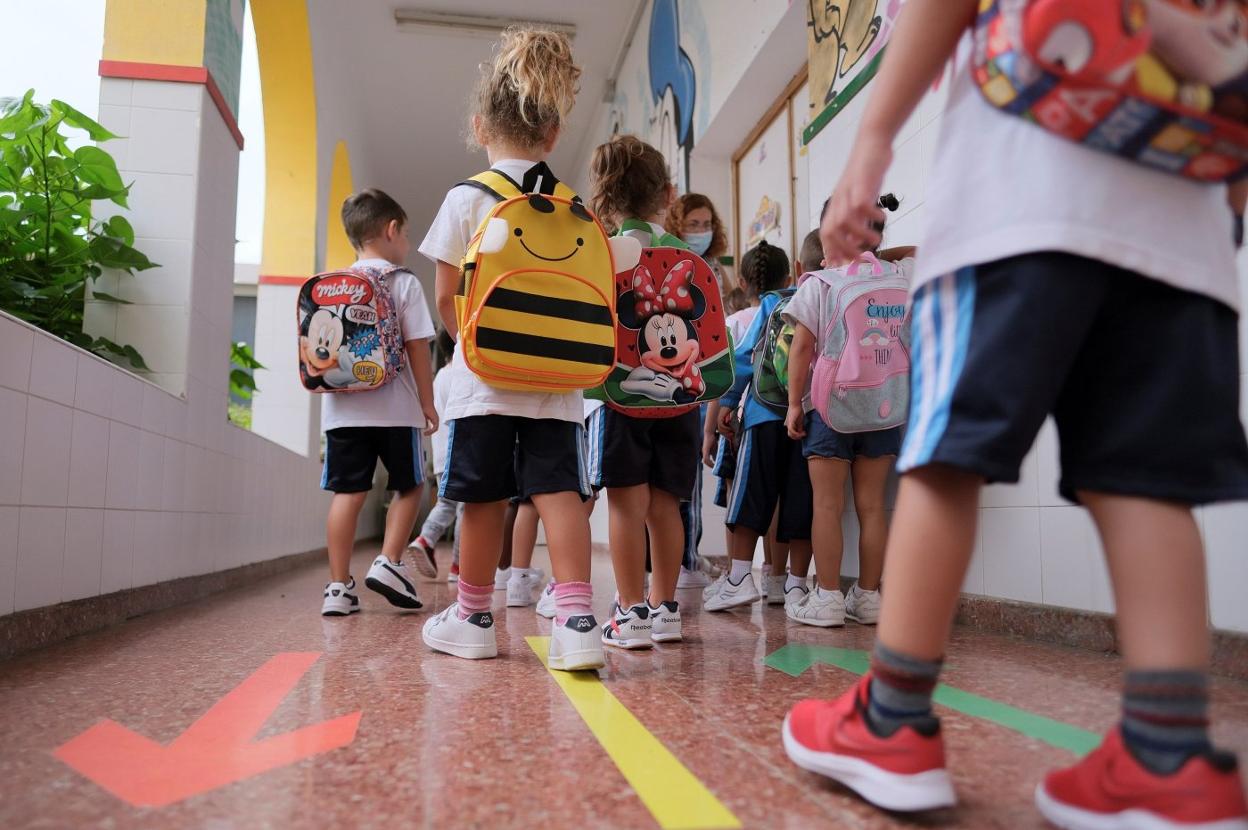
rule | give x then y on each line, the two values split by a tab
692	217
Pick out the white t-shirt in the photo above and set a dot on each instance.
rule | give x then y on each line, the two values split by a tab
396	404
738	323
441	385
1001	186
462	212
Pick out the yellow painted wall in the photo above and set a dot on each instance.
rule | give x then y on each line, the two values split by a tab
338	250
155	31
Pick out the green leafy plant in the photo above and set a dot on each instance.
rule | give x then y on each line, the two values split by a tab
243	362
51	248
240	415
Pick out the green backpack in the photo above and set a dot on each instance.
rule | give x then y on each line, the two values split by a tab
770	385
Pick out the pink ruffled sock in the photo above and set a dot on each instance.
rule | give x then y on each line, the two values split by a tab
572	599
474	599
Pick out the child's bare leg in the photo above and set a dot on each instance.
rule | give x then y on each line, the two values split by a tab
870	483
827	481
627	507
400	519
799	557
775	552
481	534
1155	555
667	542
509	526
344	512
524	536
567	534
741	544
931	543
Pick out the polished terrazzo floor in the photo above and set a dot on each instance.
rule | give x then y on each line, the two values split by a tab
439	742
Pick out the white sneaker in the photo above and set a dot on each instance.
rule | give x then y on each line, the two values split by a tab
423	557
723	594
523	586
394	582
692	579
546	605
340	599
666	622
576	645
628	629
501	577
793	596
862	606
472	639
825	609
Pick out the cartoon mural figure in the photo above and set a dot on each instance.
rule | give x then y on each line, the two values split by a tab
842	34
673	88
667	342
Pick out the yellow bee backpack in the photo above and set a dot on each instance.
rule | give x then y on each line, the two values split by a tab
537	311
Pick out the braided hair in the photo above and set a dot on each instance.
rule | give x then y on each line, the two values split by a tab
764	268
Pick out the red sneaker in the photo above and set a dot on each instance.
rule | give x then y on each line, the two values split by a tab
453	575
905	772
1111	790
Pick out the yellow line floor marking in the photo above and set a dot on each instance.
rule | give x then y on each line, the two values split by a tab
672	794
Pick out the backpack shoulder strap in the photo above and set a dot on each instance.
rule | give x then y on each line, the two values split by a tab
537	179
664	240
495	184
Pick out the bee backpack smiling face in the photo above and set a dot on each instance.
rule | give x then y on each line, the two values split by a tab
554	234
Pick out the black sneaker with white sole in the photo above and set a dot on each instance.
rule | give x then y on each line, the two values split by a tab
340	599
394	582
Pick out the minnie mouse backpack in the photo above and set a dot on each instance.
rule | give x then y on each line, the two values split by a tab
861	376
672	346
349	335
1160	82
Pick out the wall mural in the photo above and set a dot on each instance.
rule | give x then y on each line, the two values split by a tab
673	90
845	42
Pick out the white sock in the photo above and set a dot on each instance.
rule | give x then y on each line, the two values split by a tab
501	574
824	592
794	581
740	569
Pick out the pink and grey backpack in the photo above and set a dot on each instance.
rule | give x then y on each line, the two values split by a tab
349	334
861	379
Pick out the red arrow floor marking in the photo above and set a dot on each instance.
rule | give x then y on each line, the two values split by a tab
215	750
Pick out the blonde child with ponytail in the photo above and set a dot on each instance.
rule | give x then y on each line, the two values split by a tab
503	443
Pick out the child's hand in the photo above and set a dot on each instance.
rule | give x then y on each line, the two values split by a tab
725	422
710	443
431	418
846	230
795	422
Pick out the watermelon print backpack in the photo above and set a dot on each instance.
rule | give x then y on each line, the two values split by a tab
673	351
349	335
861	378
1160	82
770	385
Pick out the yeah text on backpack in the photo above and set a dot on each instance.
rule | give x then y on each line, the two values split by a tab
349	335
537	312
770	384
861	378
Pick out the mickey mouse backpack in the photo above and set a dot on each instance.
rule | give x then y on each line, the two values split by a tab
861	377
1161	82
349	335
770	384
672	346
537	312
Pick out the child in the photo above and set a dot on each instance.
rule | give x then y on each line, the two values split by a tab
770	468
832	458
647	465
445	512
1077	293
385	423
506	443
523	580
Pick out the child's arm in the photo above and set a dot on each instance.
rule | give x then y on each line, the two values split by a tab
897	253
445	287
710	436
422	372
926	35
800	352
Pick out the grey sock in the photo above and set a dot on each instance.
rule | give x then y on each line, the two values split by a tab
901	690
1165	717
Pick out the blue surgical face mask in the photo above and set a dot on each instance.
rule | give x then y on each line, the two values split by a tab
699	242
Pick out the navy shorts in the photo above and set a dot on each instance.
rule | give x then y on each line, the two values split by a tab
1142	379
822	441
352	453
771	469
496	457
662	452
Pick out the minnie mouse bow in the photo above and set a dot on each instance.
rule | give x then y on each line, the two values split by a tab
674	296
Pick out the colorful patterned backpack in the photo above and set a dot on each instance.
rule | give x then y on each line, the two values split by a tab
672	346
349	334
861	377
770	385
1160	82
537	311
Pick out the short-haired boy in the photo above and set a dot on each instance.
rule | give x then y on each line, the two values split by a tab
385	423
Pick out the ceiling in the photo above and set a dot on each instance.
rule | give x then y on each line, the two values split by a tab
400	99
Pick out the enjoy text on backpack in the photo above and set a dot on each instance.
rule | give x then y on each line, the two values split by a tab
349	334
672	346
861	377
1160	82
537	311
770	384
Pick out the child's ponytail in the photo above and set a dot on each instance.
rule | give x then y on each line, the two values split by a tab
629	179
529	88
764	268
